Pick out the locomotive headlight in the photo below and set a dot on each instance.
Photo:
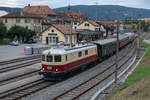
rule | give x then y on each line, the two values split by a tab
49	68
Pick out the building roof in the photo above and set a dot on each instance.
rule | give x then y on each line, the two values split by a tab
88	32
93	22
43	11
21	14
110	22
65	29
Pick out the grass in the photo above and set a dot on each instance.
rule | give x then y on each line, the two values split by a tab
4	42
141	71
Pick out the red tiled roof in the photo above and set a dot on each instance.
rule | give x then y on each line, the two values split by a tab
43	11
21	14
76	15
93	22
65	29
110	22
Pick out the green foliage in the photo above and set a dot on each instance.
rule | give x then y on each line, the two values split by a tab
20	33
141	71
4	42
3	31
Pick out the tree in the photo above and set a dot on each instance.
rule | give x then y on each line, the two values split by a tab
3	31
21	33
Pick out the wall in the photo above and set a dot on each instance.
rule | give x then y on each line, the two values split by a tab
90	27
32	25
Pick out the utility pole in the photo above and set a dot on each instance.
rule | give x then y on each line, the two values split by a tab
96	3
138	41
117	53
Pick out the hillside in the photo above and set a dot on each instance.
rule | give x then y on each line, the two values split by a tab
8	9
110	12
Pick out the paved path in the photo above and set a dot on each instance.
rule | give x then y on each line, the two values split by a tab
11	52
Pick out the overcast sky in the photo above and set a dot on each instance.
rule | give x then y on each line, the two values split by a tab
62	3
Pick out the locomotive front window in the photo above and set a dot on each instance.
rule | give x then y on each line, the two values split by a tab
49	58
43	57
57	58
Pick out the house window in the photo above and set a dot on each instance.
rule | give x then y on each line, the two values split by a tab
86	24
17	20
52	30
53	39
79	54
57	58
97	29
75	23
66	39
6	20
27	21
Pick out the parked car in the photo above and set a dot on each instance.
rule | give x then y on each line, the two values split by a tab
31	41
14	43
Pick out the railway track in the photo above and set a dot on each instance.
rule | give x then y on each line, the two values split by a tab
13	67
28	89
19	60
76	92
19	77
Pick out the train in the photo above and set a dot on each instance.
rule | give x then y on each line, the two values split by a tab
60	60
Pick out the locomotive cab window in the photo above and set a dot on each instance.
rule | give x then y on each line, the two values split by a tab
49	58
86	52
43	57
57	58
79	54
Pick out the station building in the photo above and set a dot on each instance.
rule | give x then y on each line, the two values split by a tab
59	33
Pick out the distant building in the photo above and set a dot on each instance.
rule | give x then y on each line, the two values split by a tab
43	11
89	25
24	19
76	17
2	13
145	19
59	33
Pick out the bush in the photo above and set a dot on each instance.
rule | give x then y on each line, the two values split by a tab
4	42
3	31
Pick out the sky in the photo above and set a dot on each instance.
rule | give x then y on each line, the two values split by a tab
61	3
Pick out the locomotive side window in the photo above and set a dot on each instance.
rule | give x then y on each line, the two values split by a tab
66	58
57	58
43	57
79	54
49	59
86	52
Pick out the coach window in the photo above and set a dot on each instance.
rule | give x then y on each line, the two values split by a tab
79	54
49	59
57	58
43	57
86	52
